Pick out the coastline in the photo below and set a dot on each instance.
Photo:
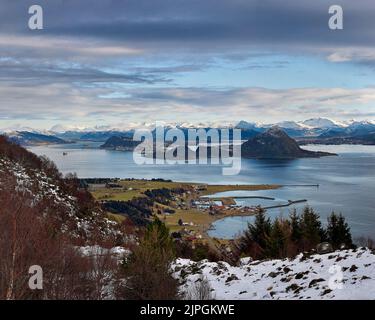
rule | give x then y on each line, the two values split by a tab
198	221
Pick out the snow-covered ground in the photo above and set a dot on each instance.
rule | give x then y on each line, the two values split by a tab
118	252
313	277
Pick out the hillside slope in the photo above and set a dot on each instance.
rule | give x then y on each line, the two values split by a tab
299	278
276	144
25	138
120	143
36	183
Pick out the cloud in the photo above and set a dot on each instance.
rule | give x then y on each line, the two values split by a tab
35	72
104	60
85	29
64	102
34	45
364	55
159	24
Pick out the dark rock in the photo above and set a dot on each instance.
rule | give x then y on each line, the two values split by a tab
353	268
326	291
315	281
324	247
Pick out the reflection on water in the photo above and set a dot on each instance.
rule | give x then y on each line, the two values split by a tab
346	183
230	227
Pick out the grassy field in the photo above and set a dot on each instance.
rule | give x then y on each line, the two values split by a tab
211	189
199	219
134	188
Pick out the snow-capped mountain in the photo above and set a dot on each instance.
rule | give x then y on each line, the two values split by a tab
292	125
315	127
353	129
361	127
18	127
244	125
322	123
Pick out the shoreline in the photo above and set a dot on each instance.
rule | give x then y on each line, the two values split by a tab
249	215
195	207
197	220
208	227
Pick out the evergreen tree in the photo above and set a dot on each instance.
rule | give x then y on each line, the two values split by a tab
254	240
158	232
276	242
147	271
338	231
260	230
312	231
295	225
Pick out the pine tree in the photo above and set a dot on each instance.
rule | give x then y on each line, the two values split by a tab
295	225
312	231
254	239
338	231
276	242
148	270
159	233
260	230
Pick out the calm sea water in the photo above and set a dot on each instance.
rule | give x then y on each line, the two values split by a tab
346	183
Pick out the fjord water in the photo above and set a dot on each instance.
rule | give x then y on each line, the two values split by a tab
346	182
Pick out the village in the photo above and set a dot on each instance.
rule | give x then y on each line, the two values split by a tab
188	209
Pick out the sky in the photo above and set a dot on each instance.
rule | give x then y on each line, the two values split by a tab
121	63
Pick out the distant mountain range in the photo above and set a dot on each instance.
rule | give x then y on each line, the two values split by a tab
310	127
26	138
317	130
362	132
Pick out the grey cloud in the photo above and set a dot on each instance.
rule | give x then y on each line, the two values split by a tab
35	72
92	37
187	22
141	104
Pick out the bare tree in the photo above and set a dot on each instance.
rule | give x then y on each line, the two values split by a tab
31	234
201	290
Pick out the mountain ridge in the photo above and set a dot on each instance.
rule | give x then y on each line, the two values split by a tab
321	129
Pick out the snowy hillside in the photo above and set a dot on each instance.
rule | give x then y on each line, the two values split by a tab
36	183
300	278
323	123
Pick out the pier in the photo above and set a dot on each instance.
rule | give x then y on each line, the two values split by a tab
286	205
